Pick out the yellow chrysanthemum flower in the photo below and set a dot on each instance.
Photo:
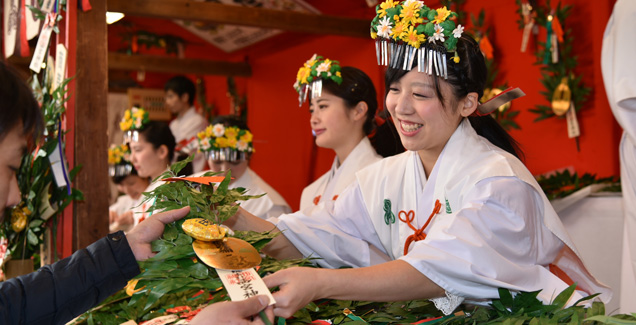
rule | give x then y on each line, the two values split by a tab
231	142
127	114
338	74
201	135
442	14
303	74
412	37
410	14
247	137
386	5
397	31
231	132
374	35
456	58
209	131
221	142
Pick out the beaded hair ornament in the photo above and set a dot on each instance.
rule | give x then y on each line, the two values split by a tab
134	120
225	143
310	76
119	160
408	31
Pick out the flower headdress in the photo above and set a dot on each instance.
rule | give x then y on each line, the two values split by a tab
409	30
227	143
134	120
119	160
311	75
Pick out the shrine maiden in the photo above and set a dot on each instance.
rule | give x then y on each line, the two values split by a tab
151	152
343	108
457	216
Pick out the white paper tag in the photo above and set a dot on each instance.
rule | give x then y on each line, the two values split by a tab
573	123
60	66
11	25
243	284
555	48
40	49
32	23
56	166
526	35
47	6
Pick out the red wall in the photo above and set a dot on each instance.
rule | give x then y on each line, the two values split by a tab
282	134
281	129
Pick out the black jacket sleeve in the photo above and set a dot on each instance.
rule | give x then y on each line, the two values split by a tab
57	293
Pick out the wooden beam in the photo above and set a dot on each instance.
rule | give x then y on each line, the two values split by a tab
119	61
243	16
91	123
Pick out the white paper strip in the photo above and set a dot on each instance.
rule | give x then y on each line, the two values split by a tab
60	66
573	123
243	284
40	49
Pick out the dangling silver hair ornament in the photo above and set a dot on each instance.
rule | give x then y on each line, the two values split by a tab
409	32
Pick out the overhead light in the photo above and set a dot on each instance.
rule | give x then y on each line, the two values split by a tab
112	17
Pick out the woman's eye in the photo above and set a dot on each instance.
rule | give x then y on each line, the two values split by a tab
323	106
419	95
393	89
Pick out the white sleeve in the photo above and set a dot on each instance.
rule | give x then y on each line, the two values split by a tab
338	232
496	239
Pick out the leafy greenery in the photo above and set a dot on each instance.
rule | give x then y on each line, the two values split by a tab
561	184
553	73
42	200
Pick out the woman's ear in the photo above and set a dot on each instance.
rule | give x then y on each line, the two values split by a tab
360	111
469	104
162	152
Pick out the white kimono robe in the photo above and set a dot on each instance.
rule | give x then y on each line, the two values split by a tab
270	205
333	182
619	75
496	228
140	212
267	206
186	127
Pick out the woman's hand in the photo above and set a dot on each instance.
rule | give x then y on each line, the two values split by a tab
298	287
235	312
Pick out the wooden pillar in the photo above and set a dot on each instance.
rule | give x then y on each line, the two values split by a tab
90	125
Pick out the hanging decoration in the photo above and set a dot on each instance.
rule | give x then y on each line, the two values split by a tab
565	91
504	114
43	177
238	103
135	39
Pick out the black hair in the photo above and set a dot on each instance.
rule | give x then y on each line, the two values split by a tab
357	87
158	133
181	85
231	120
118	179
469	75
18	105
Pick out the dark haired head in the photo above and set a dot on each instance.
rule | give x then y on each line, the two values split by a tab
18	105
356	87
158	133
469	75
181	85
230	120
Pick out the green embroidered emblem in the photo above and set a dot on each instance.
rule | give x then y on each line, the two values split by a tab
389	217
448	209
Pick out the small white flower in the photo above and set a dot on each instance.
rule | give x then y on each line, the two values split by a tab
137	124
418	6
323	67
241	145
439	36
457	32
384	29
218	130
205	144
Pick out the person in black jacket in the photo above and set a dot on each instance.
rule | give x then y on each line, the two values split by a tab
57	293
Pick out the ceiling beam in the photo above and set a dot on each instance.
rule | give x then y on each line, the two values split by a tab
119	61
287	20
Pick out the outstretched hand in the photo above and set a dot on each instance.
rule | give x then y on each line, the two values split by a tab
235	312
298	287
140	237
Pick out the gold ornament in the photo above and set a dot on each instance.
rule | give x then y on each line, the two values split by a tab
227	254
561	98
203	229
